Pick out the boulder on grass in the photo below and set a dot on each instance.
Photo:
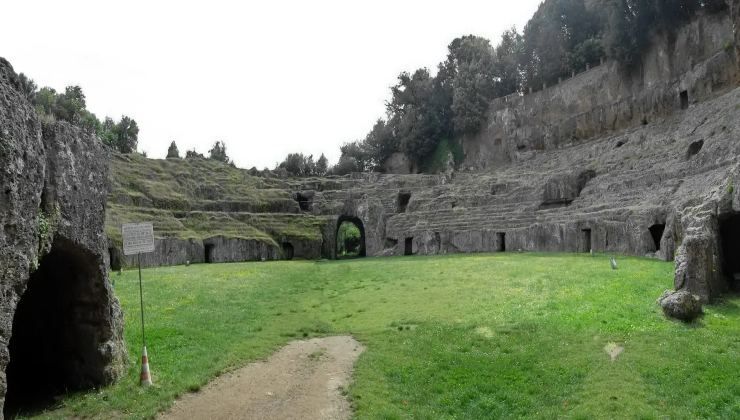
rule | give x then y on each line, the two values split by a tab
680	304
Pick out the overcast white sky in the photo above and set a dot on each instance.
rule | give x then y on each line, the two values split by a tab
268	77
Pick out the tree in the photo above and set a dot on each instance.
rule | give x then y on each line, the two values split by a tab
192	154
27	86
346	165
380	143
107	132
322	165
357	152
70	104
415	118
293	163
299	165
632	22
218	152
508	54
173	152
126	135
471	60
45	100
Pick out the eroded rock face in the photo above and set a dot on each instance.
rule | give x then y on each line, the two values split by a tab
604	99
52	209
681	305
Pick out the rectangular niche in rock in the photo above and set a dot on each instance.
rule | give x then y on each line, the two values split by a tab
408	248
501	242
209	252
587	240
729	232
684	96
403	201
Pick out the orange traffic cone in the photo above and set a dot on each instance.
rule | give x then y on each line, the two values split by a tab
146	378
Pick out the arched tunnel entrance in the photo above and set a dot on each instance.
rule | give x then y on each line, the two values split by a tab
350	237
57	328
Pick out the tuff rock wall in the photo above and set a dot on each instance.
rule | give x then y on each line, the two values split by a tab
52	209
640	163
699	60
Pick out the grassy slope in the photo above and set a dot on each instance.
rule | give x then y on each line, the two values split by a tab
466	336
171	194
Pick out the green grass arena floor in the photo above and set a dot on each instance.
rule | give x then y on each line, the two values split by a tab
459	336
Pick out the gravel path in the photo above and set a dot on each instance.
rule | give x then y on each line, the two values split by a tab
304	380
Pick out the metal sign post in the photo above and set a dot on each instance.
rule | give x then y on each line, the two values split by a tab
138	238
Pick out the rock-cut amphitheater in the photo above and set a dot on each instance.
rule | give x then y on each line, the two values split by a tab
639	163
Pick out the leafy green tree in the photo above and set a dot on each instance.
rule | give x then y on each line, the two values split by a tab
357	152
509	53
126	135
27	87
474	82
70	104
346	165
45	101
416	121
380	143
293	164
192	154
299	165
552	37
107	132
218	152
173	152
322	165
88	121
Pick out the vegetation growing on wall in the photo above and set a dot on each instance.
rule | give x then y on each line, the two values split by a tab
71	106
562	37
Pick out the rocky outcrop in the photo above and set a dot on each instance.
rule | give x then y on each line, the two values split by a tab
680	305
696	64
61	325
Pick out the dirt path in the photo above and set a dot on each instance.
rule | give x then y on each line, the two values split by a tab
304	380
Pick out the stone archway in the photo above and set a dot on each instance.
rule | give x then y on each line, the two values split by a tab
60	327
340	246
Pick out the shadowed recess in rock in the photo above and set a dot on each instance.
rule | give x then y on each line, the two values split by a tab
56	328
730	235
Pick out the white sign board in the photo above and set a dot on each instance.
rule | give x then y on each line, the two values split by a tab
138	238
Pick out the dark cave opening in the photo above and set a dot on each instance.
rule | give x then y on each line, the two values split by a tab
56	330
729	231
209	252
694	148
656	231
408	246
403	201
305	201
288	250
684	96
115	258
587	239
501	242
